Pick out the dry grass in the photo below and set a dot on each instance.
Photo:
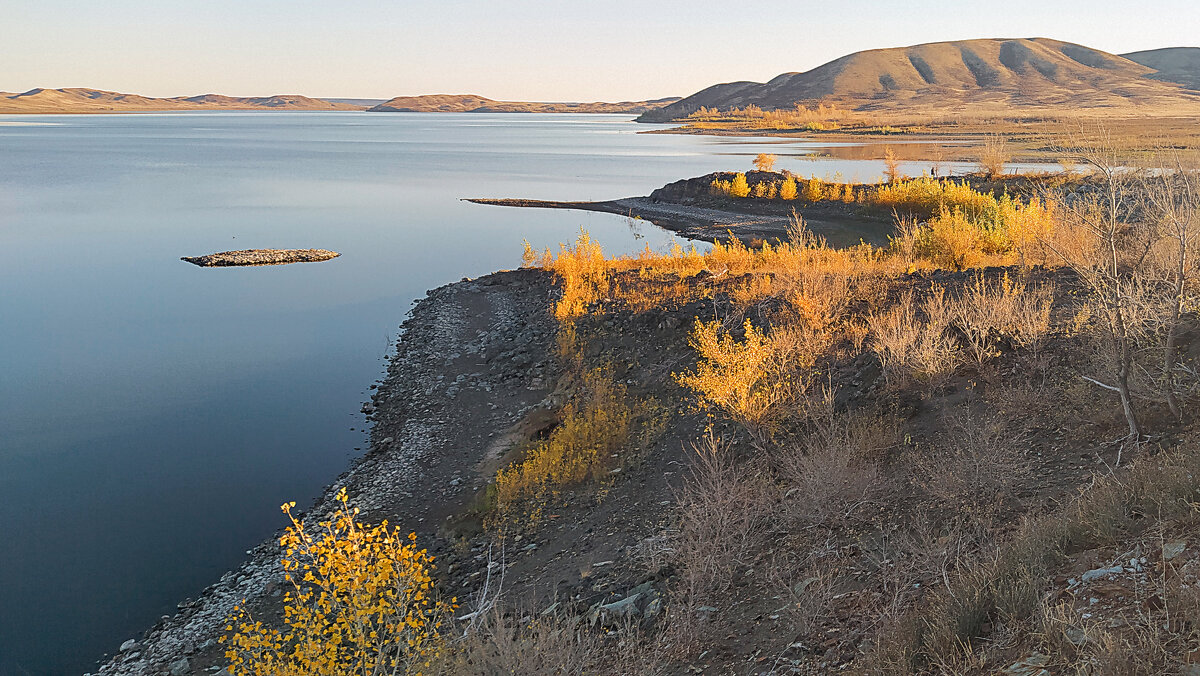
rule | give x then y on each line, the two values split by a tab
1003	587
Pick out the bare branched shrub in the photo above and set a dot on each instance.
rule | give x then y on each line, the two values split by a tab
987	312
723	512
501	645
834	469
904	243
977	465
910	342
1172	196
1098	238
994	155
857	332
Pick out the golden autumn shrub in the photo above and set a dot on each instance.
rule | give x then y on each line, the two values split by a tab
1029	227
739	187
812	190
597	426
581	269
721	188
926	197
788	190
847	193
951	240
362	601
741	377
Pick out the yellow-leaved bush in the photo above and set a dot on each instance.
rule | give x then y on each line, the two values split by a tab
597	426
743	377
362	601
581	268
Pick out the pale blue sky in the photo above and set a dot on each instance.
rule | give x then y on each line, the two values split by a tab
516	50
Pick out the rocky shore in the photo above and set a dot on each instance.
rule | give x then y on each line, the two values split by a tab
472	362
687	208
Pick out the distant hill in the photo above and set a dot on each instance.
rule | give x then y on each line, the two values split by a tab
986	75
80	100
1173	64
470	103
365	103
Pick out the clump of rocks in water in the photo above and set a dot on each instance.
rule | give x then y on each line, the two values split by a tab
261	257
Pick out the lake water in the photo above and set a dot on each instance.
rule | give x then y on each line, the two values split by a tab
153	415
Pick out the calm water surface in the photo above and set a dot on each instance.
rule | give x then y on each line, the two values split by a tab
153	415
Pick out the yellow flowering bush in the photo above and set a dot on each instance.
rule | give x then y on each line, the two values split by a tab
362	602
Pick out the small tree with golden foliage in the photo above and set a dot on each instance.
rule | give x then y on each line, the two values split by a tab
764	162
362	602
740	377
788	190
739	187
582	270
812	190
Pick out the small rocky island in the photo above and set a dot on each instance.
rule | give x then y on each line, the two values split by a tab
261	257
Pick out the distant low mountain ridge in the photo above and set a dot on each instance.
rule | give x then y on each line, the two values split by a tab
80	100
471	103
946	77
1173	64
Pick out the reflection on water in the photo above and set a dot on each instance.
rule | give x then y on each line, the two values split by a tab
155	414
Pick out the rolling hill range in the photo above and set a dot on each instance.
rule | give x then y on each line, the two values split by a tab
80	100
470	103
1173	64
985	76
